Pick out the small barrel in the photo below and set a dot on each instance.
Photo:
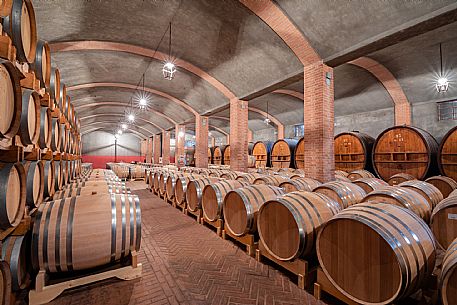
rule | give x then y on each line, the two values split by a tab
54	86
42	63
242	205
217	155
21	27
275	180
299	184
444	221
261	151
29	130
110	224
181	187
428	191
56	135
370	184
405	149
5	282
400	178
361	173
283	153
45	128
226	155
448	275
15	251
11	105
393	246
249	177
12	194
447	154
445	184
403	197
195	190
34	177
345	193
49	178
288	225
353	151
213	197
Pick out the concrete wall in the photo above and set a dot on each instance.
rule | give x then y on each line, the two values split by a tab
101	143
425	116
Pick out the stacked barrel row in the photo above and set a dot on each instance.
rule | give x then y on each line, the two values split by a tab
297	217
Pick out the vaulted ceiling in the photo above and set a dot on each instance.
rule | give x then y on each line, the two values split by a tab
224	50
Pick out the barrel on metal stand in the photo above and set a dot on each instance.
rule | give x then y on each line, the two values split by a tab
353	151
447	154
283	153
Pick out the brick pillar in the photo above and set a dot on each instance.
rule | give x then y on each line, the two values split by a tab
213	141
238	135
166	147
201	141
156	148
227	139
180	136
149	151
319	122
250	135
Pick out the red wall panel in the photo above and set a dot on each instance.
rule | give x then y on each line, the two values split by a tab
100	161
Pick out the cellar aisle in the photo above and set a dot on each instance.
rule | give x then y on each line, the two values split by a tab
186	263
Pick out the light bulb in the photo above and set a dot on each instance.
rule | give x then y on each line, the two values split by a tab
116	136
267	121
131	117
168	70
119	132
442	84
143	103
124	126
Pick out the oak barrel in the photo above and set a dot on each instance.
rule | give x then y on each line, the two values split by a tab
249	177
218	155
360	173
34	177
163	176
54	86
194	191
171	183
49	178
242	205
447	154
229	175
58	175
275	180
5	283
226	155
283	153
405	149
299	184
29	130
210	155
16	252
63	98
444	221
11	104
45	128
21	27
448	276
445	184
341	173
400	178
261	151
56	134
428	191
370	184
376	253
403	197
42	63
299	154
353	151
12	194
92	188
181	187
345	193
109	225
288	225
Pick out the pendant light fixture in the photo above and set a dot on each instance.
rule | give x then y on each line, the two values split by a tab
267	119
442	84
169	67
143	99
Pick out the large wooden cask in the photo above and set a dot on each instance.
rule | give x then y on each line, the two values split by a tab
42	63
218	155
34	177
210	155
444	221
370	184
360	173
11	105
16	252
283	153
12	194
299	155
376	253
49	178
400	178
213	197
345	193
405	149
353	151
195	190
447	154
261	151
275	180
445	184
21	27
181	187
242	205
64	230
299	184
29	130
288	225
226	155
403	197
45	134
428	191
448	276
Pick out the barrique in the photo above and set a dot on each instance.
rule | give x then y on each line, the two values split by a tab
299	184
11	105
345	193
283	153
261	152
370	184
226	155
432	194
445	184
12	194
444	221
353	151
194	191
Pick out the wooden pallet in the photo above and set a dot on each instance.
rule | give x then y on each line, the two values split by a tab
198	214
304	270
217	224
248	240
44	292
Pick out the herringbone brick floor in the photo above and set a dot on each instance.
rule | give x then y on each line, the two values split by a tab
187	263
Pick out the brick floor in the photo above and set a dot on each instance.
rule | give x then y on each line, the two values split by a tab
187	263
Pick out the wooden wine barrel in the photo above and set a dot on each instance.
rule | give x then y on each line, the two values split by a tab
288	225
300	184
283	153
444	222
242	205
427	190
213	197
21	27
249	177
445	184
370	184
121	171
448	276
400	178
163	182
353	151
261	151
447	154
403	197
5	10
453	193
171	184
217	155
56	138
34	177
341	173
155	181
275	180
45	137
299	159
210	155
63	98
226	155
195	190
404	149
393	246
12	194
229	175
11	105
29	130
92	189
5	282
345	193
181	187
67	110
54	85
361	173
110	223
58	175
15	251
42	63
49	178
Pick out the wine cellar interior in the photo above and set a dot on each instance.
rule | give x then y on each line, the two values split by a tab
228	152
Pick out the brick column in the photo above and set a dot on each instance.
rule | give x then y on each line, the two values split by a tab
156	148
238	135
201	141
149	151
213	141
250	135
180	138
227	139
319	122
166	147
